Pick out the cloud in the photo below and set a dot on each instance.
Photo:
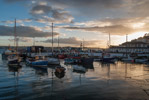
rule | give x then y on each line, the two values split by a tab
91	8
101	8
73	41
89	3
25	31
115	26
11	1
41	9
114	29
43	13
138	8
48	20
17	21
119	17
22	39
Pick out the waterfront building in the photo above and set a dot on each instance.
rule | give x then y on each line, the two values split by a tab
140	45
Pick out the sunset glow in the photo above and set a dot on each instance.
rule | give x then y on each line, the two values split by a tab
73	21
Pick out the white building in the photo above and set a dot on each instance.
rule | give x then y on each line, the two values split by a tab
140	45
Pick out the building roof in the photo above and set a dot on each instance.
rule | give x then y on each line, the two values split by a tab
134	42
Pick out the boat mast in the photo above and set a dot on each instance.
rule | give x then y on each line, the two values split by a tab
15	37
58	41
52	39
126	37
109	39
33	41
83	44
126	45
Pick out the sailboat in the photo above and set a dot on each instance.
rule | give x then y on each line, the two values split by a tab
37	61
14	60
127	57
41	61
52	60
106	57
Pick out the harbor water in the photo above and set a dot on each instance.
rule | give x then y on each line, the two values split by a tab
102	81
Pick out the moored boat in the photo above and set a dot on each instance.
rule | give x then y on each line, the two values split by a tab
141	60
73	60
14	60
38	60
128	59
106	57
60	72
62	56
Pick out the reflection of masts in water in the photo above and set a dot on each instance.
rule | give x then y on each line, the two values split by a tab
58	42
80	78
125	70
109	40
126	45
15	37
52	83
16	76
52	39
33	41
83	44
108	74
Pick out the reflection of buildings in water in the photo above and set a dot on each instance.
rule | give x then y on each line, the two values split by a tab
126	72
107	68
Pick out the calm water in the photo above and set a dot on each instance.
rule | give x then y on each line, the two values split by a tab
119	81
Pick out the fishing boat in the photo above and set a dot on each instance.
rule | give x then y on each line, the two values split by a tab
126	56
69	61
60	69
14	60
106	57
62	56
140	60
127	59
60	72
7	53
37	61
73	60
52	60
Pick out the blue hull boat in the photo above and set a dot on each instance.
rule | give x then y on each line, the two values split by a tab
38	63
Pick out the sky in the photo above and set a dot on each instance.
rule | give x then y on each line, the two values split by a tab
75	21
